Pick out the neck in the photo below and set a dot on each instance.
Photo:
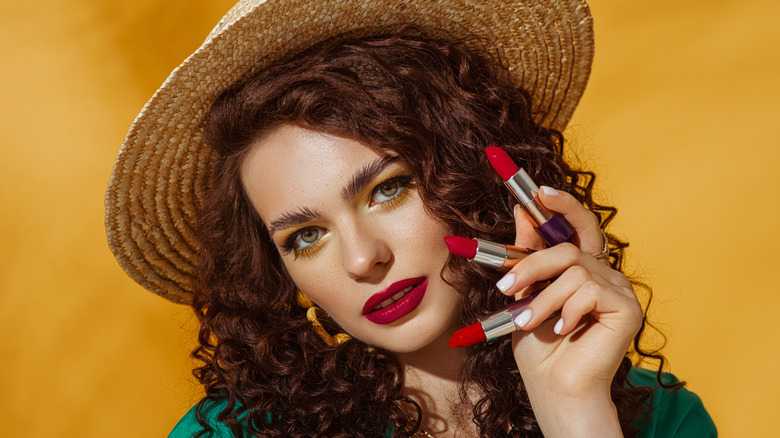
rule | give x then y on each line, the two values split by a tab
436	359
431	378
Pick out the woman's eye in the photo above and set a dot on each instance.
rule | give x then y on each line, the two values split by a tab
305	238
389	190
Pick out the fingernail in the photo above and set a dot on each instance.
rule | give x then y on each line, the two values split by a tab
549	191
558	326
522	319
505	283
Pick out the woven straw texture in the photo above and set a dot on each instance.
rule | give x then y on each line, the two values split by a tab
163	166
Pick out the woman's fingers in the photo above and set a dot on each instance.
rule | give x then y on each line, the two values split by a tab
525	233
551	262
595	299
584	284
587	231
578	292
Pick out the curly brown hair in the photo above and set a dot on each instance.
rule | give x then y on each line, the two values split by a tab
437	105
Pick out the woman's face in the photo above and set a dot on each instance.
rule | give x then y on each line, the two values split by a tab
354	236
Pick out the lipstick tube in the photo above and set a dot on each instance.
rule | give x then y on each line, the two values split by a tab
553	227
502	322
487	253
498	256
495	325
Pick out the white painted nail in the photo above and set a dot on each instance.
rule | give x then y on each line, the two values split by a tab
558	326
522	319
505	283
549	191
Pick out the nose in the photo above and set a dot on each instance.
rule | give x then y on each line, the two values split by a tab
366	253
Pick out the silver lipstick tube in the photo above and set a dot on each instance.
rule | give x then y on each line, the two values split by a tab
523	188
495	255
502	322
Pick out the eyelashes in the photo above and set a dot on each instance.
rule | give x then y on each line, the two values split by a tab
385	195
304	242
390	192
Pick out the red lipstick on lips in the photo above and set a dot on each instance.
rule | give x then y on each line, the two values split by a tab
398	300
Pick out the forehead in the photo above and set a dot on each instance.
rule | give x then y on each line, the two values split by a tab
294	167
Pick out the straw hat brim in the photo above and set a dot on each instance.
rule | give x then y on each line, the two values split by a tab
163	166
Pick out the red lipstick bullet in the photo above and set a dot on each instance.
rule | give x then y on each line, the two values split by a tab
493	326
486	253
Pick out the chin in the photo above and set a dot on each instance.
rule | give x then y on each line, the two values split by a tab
418	337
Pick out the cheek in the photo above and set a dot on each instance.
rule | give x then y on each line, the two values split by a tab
415	239
421	231
316	278
326	287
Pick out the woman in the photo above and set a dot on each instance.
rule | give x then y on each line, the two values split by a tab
297	189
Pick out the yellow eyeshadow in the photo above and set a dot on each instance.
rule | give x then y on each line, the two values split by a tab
309	250
287	247
402	177
405	192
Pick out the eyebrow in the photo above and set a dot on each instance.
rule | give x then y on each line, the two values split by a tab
365	175
356	184
287	220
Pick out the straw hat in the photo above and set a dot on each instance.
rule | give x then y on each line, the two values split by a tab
154	193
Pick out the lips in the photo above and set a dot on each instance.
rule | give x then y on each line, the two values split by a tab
399	299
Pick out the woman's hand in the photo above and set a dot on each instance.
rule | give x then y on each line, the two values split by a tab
568	362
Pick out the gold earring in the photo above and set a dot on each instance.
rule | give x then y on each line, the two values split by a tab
311	315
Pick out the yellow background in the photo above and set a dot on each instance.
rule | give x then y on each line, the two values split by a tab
680	119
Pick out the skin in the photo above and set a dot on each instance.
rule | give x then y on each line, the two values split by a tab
366	244
377	237
568	374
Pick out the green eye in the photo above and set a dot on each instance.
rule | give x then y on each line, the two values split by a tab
304	241
390	190
387	194
308	236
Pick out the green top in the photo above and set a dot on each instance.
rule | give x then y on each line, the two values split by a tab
679	414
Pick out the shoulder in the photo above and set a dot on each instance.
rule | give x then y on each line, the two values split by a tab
208	410
674	413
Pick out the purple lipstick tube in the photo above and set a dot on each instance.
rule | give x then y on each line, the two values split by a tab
553	227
